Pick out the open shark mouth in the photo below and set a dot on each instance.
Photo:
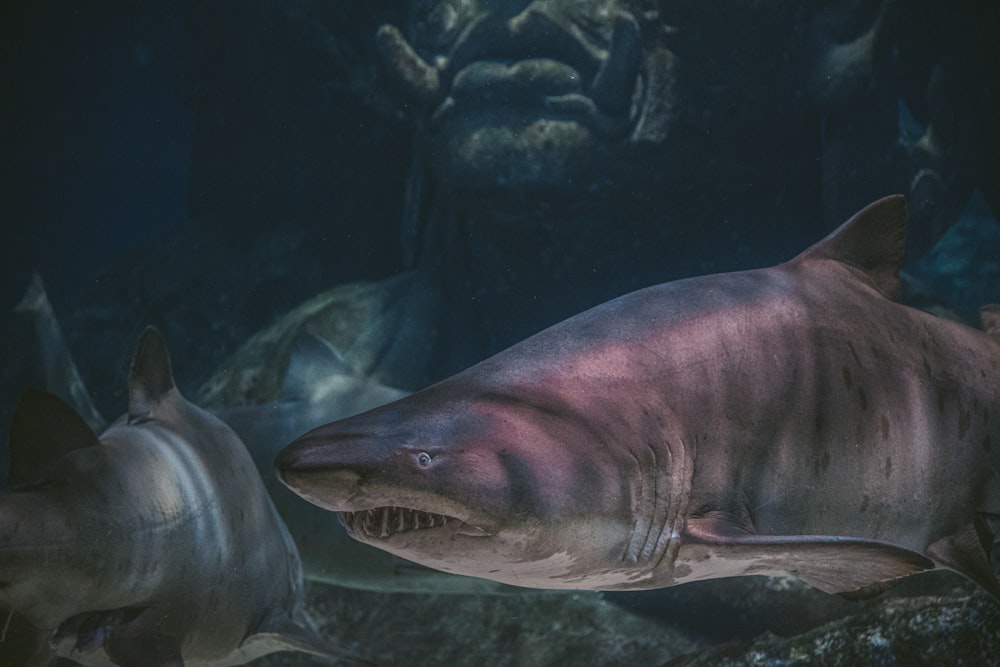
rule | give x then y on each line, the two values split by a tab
384	522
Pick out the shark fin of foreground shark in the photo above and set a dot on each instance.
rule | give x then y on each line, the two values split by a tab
825	562
872	242
43	430
150	377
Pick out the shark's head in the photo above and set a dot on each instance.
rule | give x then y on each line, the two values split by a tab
473	480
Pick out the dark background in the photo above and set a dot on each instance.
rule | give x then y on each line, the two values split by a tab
202	167
96	139
122	119
206	166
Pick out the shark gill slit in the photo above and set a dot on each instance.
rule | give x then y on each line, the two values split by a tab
664	510
678	495
645	508
654	530
656	526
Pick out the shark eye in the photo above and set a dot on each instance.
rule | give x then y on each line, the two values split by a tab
423	459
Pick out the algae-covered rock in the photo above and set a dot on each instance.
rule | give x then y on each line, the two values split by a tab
521	630
903	631
586	629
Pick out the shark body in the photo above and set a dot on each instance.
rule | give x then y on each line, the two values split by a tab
154	544
794	420
319	386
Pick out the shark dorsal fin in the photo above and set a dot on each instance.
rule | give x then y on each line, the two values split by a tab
872	241
150	377
43	430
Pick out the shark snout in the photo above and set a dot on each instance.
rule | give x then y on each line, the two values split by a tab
311	468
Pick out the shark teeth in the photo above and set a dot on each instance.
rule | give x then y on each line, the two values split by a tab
382	522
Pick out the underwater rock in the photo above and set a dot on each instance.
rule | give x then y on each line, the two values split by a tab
963	268
545	629
936	631
954	629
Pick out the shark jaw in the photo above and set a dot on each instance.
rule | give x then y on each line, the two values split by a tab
363	510
380	523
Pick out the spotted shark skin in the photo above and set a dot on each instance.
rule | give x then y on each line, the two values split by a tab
153	544
794	420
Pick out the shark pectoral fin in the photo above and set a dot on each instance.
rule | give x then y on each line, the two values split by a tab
43	430
830	563
968	550
281	633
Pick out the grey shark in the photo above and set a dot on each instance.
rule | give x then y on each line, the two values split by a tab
319	385
153	544
794	420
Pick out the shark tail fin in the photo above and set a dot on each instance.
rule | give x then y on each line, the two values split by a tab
150	376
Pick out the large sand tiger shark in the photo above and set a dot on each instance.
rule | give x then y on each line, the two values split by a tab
795	420
155	544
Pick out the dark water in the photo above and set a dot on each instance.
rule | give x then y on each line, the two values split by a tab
207	168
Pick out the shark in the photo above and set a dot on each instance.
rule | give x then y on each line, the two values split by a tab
154	543
795	420
320	384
